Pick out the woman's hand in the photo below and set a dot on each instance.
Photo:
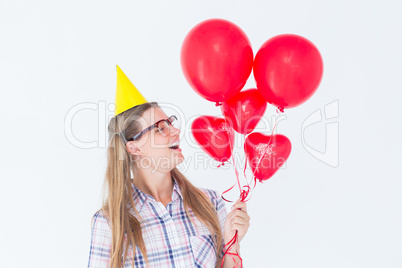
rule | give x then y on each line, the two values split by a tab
237	219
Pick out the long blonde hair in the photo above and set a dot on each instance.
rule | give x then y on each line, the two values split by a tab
126	227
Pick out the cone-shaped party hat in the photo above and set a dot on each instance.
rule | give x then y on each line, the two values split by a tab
127	95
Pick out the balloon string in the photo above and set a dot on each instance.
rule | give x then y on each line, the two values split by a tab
230	131
226	192
234	165
244	170
228	247
267	148
243	195
248	191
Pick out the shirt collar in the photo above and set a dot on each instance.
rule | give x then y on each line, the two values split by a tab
140	197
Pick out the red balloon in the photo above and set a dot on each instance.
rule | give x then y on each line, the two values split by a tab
216	59
288	70
277	149
244	110
214	136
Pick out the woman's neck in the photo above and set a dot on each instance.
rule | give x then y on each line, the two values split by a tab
158	185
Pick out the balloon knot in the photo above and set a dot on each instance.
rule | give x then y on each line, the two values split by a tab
222	164
280	109
218	103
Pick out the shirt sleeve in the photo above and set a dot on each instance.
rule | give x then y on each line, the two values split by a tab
101	242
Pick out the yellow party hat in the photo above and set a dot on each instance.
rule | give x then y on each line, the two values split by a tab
127	95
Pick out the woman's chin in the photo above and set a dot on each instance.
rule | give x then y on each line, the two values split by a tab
178	159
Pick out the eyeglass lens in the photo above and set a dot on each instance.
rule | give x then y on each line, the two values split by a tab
165	128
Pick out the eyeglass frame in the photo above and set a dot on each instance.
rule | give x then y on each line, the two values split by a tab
169	121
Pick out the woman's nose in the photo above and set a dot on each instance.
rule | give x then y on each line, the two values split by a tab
174	131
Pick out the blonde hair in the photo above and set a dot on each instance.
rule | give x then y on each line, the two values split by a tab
126	227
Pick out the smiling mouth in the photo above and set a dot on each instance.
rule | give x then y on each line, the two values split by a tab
174	146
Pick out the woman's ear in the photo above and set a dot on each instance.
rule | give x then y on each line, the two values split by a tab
133	149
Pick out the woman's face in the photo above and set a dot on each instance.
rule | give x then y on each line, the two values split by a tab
153	147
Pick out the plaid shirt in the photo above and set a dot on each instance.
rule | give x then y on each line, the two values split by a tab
170	238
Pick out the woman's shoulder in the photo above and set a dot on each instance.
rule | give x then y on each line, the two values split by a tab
215	198
211	194
217	201
100	219
99	214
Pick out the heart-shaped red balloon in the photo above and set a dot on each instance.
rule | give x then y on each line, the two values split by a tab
214	136
244	110
277	149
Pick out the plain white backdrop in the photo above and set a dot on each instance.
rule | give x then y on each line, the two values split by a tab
56	56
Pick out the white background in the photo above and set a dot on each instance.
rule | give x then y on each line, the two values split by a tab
55	55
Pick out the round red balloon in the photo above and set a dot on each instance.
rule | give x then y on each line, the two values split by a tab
214	136
244	110
216	59
288	70
277	150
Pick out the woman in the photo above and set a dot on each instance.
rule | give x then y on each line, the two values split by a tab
153	216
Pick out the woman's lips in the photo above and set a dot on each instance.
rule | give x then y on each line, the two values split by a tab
177	144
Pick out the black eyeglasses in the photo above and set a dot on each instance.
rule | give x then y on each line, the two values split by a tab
162	125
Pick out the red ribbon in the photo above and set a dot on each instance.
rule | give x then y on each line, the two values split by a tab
228	247
243	196
244	193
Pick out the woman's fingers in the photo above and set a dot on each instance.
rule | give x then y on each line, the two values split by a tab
240	221
239	205
237	220
238	213
239	227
